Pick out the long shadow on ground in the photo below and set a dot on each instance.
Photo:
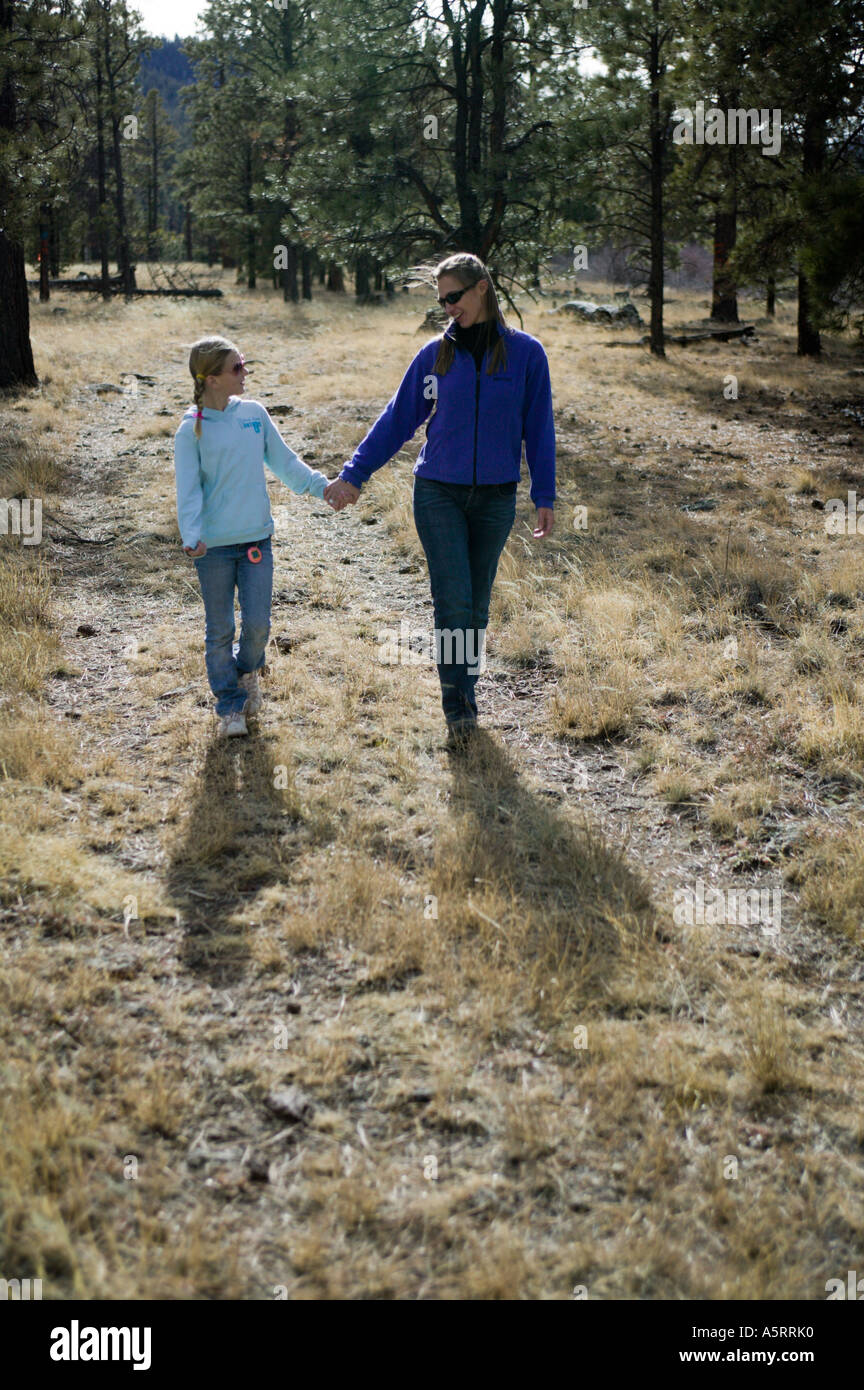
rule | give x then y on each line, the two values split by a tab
233	844
570	905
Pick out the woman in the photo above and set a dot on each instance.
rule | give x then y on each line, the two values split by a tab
486	388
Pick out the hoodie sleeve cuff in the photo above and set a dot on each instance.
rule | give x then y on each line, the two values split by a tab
351	475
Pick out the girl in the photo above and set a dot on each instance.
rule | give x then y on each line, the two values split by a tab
223	512
466	473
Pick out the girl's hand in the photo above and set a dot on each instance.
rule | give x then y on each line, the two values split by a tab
200	549
545	519
339	493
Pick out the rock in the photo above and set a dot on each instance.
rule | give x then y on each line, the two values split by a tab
600	313
85	630
258	1168
290	1104
283	643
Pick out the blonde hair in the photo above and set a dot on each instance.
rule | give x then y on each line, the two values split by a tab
206	358
468	269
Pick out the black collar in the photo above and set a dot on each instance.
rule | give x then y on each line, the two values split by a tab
491	324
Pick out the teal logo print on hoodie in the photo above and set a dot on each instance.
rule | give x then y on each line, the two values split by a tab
252	425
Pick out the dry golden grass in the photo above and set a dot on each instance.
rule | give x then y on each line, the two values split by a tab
526	1074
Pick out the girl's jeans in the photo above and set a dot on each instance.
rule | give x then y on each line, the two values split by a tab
463	530
220	571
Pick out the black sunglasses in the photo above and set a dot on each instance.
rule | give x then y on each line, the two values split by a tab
454	296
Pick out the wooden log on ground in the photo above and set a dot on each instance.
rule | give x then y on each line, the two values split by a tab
684	339
95	287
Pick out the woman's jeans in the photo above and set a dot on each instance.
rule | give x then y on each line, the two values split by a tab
220	571
463	530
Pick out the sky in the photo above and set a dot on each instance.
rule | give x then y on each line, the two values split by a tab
169	17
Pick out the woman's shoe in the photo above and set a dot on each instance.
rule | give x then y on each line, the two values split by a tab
250	684
230	725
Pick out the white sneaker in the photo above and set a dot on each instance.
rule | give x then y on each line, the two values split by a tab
250	684
232	724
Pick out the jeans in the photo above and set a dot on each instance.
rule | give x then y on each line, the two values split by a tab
463	530
220	571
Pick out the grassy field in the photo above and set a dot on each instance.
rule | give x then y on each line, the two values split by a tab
514	1068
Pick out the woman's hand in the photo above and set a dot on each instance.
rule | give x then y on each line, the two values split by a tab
340	492
545	518
199	550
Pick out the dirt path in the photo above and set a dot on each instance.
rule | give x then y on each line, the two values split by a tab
243	1194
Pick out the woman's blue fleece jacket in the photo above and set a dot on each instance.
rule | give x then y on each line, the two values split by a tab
475	422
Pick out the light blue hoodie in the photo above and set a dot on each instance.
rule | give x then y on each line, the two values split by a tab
221	485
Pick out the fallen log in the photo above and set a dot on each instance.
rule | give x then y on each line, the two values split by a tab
682	339
721	334
95	287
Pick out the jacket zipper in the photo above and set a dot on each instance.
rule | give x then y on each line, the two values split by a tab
476	407
476	420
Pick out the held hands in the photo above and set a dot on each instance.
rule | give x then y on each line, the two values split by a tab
545	518
196	552
339	493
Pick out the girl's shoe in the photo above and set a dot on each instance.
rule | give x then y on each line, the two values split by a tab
230	725
250	684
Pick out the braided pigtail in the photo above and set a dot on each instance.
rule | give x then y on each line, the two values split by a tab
196	397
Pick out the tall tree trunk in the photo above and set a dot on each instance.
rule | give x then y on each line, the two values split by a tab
251	248
153	229
655	275
813	163
102	224
44	269
467	131
809	340
770	295
187	232
724	299
335	278
306	272
289	275
16	354
361	275
54	242
124	260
